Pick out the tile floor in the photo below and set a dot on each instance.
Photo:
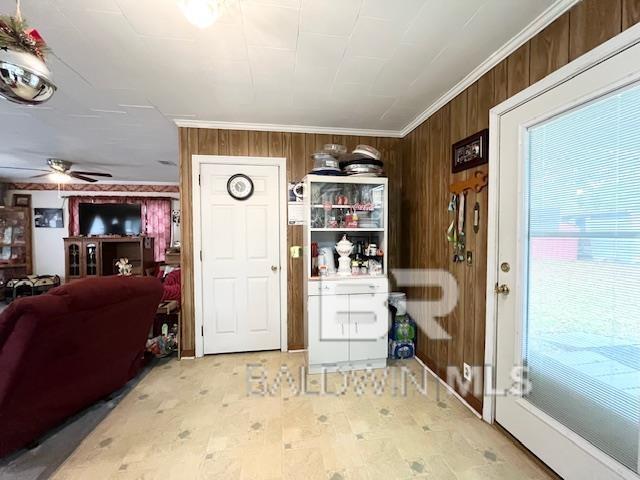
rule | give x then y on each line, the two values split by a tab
194	419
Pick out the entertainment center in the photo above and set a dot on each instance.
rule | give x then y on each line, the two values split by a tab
108	232
96	256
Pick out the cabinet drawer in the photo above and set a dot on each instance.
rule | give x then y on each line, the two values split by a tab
349	286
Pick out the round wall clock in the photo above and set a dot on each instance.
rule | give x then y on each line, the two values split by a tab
240	186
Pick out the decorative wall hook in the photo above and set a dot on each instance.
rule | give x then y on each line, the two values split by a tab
475	183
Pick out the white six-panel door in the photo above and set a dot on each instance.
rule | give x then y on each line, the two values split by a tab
240	261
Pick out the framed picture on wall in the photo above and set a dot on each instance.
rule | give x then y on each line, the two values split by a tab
21	200
48	217
470	152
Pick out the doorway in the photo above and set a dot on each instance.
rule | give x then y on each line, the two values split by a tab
567	267
240	247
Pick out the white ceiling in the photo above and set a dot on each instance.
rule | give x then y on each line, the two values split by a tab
127	68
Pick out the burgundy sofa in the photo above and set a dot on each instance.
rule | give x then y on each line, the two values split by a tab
64	350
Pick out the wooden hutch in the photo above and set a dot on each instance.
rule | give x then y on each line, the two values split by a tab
97	256
15	243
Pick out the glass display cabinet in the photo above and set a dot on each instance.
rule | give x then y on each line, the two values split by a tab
346	286
15	243
354	207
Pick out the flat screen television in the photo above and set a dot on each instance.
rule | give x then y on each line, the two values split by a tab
110	219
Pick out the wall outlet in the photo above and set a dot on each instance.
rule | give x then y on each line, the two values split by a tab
467	373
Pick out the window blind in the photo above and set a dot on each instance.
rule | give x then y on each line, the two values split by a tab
582	335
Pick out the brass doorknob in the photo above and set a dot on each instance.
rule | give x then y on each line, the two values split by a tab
274	268
502	289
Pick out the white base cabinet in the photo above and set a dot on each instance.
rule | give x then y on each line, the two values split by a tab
347	325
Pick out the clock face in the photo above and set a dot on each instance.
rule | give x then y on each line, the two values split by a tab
240	186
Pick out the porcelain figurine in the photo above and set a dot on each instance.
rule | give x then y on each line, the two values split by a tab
344	248
124	267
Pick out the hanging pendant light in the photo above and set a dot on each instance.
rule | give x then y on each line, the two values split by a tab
201	13
24	77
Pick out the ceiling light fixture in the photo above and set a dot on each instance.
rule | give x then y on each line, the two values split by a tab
59	177
201	13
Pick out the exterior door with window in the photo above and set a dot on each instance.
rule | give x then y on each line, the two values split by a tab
569	247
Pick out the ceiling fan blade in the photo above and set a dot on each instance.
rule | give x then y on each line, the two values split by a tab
81	177
94	174
27	169
40	176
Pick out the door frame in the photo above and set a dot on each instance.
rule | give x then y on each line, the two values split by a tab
608	49
196	163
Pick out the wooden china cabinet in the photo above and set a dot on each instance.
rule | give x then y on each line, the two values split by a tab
15	243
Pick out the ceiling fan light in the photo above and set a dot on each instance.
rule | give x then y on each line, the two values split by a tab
201	13
59	177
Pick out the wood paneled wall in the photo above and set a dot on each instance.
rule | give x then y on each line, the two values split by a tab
427	174
297	148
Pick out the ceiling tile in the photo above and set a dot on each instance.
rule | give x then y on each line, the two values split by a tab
272	69
279	3
396	115
439	21
358	97
330	17
42	14
110	6
267	26
349	92
335	63
173	49
401	11
401	70
229	72
270	61
320	50
310	78
359	69
157	18
222	40
373	37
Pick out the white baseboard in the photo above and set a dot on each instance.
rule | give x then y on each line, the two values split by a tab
448	387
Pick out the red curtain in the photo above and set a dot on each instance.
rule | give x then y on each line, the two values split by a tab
156	218
156	215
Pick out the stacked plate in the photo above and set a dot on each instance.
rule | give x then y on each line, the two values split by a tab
364	161
333	159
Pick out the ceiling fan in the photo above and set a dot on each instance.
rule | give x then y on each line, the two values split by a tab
60	171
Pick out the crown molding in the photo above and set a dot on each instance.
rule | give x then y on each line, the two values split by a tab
536	26
271	127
